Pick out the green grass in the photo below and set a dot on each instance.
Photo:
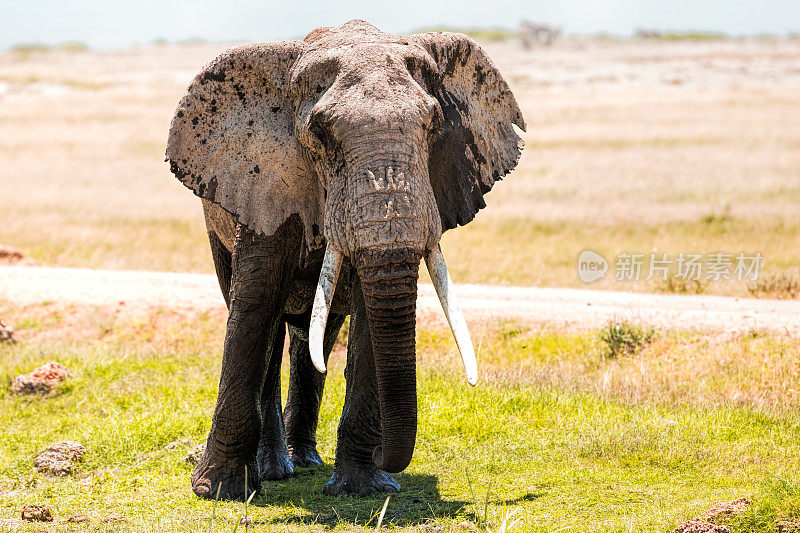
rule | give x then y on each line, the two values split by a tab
554	453
623	338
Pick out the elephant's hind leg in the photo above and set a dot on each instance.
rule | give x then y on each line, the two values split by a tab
222	265
306	385
273	455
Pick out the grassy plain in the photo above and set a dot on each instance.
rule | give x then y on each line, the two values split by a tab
556	437
632	146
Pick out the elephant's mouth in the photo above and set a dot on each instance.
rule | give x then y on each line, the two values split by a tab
442	283
390	291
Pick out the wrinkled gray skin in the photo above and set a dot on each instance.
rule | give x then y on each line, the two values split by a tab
363	141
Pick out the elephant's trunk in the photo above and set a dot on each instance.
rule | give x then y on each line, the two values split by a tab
384	218
389	284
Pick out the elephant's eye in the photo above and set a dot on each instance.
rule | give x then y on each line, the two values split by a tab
318	131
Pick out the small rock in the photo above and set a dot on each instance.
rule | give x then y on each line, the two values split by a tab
6	333
696	525
42	380
246	521
193	457
59	459
466	525
730	508
114	518
178	444
78	518
37	513
9	254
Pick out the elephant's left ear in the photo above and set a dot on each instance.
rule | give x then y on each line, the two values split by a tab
232	140
477	145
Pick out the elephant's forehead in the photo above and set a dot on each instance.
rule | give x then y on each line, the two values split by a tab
357	56
362	50
355	31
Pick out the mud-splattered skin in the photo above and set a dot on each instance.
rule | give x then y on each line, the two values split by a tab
358	140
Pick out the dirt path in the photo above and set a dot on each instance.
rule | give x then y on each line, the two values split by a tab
570	308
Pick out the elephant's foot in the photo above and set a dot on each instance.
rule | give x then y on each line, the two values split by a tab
225	479
274	462
360	480
304	455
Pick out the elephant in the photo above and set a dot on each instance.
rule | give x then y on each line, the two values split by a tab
328	169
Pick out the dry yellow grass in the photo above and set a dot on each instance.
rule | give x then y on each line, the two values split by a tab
629	146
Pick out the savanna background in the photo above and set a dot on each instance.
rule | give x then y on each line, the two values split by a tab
683	136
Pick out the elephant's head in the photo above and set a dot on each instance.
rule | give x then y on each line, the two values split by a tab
378	143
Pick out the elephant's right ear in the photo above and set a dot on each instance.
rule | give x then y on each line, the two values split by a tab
232	140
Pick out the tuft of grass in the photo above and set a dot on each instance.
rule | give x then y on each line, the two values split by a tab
624	338
676	285
782	285
716	219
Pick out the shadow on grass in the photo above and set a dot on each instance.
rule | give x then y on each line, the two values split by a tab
303	502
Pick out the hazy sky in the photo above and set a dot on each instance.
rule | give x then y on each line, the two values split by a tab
114	23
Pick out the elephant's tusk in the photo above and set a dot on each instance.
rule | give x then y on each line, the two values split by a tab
452	310
326	286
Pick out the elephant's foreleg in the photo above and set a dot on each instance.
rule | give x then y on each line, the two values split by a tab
273	455
306	385
360	426
261	275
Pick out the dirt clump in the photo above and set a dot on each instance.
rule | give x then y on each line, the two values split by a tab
59	459
13	256
37	513
78	518
697	525
788	526
194	455
705	523
42	380
9	254
6	333
723	509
